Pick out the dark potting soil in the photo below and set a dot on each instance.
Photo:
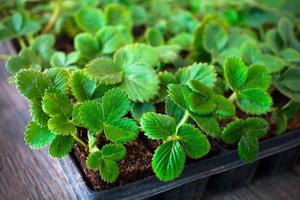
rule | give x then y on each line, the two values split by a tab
135	166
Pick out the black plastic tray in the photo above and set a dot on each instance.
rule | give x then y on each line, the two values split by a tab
194	176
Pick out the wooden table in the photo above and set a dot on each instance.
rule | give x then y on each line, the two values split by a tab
28	174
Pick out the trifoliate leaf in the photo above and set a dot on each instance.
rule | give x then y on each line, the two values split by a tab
56	103
290	55
117	14
109	170
38	137
110	39
200	72
136	54
135	78
60	59
257	127
37	113
115	104
208	124
82	86
233	131
59	78
89	19
61	146
254	101
225	109
235	72
61	125
258	77
158	126
154	37
214	38
194	141
272	63
87	45
94	160
138	109
248	148
104	70
115	152
91	115
121	130
168	160
32	84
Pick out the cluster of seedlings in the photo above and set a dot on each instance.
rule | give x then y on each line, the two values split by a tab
214	77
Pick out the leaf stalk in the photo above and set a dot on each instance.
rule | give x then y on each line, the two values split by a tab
183	120
80	141
53	18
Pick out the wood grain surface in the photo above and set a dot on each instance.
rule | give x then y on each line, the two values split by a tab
27	174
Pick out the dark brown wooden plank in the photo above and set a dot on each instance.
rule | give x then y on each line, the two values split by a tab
24	174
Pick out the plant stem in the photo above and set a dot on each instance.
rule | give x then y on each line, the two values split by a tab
53	18
232	97
29	39
21	42
5	56
183	120
80	141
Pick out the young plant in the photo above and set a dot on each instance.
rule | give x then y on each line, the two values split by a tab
249	86
178	141
246	132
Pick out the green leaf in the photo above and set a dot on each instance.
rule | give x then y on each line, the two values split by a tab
158	126
201	105
290	55
100	90
89	19
134	54
109	170
32	84
233	131
225	108
168	53
200	88
168	160
286	30
121	130
87	45
254	101
43	46
82	86
200	72
117	14
37	137
235	72
91	115
248	148
115	104
194	141
55	103
184	40
138	109
179	94
59	78
37	113
208	124
135	77
61	146
258	77
281	122
61	125
274	64
257	127
104	71
214	38
94	160
115	152
60	59
173	110
154	37
165	78
110	39
290	79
